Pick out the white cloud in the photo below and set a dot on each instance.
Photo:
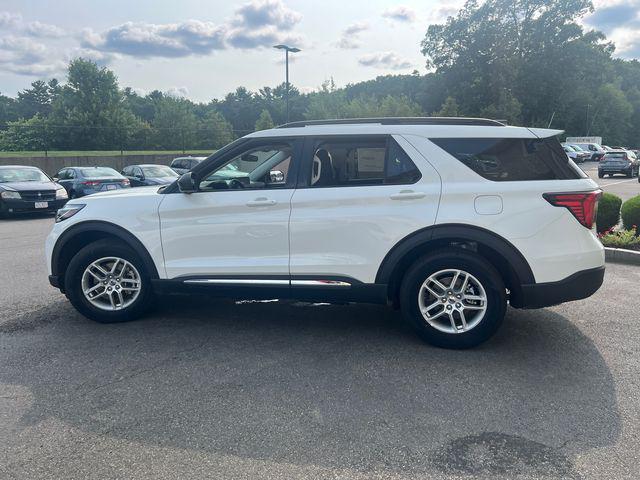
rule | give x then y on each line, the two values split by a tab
385	60
443	11
24	56
178	92
350	37
44	30
400	13
256	24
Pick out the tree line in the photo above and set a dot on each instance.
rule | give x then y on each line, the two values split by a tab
528	62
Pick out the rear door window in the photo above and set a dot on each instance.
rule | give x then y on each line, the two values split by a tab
356	161
512	159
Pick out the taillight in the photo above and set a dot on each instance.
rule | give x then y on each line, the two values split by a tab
582	205
125	182
90	183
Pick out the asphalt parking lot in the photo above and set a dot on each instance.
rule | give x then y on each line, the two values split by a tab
215	389
619	185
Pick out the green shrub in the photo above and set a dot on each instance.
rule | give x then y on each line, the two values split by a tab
608	212
630	213
621	239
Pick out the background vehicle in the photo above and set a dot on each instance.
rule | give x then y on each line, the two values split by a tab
28	189
144	175
597	152
184	164
618	161
446	218
576	153
81	181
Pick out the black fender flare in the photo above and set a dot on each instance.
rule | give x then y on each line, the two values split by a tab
459	232
101	227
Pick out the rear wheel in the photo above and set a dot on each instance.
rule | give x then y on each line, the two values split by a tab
453	298
107	282
600	175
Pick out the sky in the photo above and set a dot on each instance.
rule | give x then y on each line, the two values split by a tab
204	49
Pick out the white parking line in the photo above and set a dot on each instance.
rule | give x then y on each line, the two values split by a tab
616	183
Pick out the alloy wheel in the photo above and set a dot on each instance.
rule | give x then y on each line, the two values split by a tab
111	283
452	301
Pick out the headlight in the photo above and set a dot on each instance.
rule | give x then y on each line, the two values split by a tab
61	194
10	195
68	211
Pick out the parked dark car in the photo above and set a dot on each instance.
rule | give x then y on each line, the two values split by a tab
145	175
184	164
618	161
28	189
81	181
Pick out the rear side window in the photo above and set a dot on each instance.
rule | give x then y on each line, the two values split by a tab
361	161
512	159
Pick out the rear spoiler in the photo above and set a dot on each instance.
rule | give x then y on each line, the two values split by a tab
545	132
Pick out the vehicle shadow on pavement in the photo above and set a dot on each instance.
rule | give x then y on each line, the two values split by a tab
333	386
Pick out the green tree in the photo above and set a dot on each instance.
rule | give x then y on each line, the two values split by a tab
89	112
264	121
37	99
215	132
449	108
29	135
174	124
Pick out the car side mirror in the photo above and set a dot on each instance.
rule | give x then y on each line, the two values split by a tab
186	183
276	176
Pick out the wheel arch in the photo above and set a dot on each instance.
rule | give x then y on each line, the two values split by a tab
509	262
84	233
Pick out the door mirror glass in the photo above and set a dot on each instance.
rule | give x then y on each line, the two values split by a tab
276	176
186	183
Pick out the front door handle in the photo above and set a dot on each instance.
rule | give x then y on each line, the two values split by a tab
408	195
261	202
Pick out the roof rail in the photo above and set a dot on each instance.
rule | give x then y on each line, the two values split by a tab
398	121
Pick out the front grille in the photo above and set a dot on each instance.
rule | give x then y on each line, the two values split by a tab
39	195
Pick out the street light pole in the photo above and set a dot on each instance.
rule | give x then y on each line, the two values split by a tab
287	49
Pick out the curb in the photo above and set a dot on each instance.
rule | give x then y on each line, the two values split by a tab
621	255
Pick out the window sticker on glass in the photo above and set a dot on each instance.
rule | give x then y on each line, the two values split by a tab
371	159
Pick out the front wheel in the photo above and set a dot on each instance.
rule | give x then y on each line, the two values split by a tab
600	175
453	298
107	282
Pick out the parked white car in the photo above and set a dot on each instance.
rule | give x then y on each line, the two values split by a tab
449	219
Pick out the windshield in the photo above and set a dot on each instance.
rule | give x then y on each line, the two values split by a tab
22	175
616	155
99	172
158	171
576	148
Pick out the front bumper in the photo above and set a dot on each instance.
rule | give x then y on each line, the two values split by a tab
580	285
24	206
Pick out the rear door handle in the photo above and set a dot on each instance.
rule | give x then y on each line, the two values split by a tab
261	202
407	195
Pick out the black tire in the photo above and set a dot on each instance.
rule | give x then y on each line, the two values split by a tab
454	258
95	251
600	175
72	195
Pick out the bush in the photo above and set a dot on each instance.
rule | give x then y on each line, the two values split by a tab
622	239
630	213
608	212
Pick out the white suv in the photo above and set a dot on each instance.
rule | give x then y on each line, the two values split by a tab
449	219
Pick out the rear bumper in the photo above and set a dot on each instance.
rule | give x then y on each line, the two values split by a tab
580	285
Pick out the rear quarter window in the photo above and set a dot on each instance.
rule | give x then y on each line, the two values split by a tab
512	159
